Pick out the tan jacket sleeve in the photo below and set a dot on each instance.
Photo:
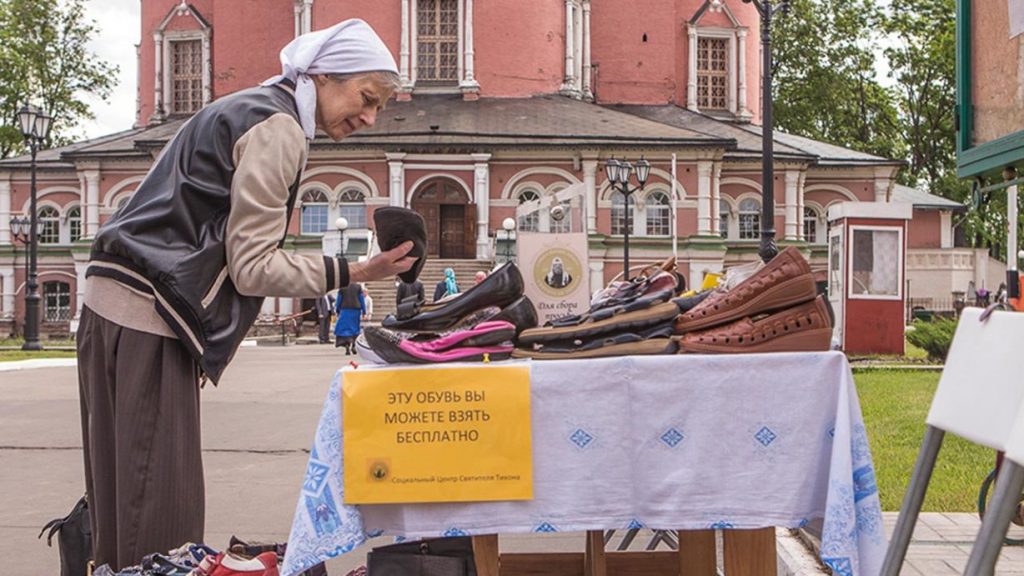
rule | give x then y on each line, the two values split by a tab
267	159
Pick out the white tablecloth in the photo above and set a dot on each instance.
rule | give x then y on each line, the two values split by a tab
661	442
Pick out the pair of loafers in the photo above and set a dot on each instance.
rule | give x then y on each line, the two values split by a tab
501	288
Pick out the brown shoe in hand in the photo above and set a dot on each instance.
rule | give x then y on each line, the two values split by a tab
785	281
802	328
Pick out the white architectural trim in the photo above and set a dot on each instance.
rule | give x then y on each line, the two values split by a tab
588	91
481	195
409	49
705	171
831	188
736	84
5	213
162	43
743	181
110	198
945	229
438	176
403	54
741	43
335	195
792	205
506	192
590	188
361	176
396	180
576	81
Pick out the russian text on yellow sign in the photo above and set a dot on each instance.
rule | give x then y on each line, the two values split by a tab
437	434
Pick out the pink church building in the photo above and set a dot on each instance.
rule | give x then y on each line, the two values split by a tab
502	102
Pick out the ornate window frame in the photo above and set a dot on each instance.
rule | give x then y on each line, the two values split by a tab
736	59
409	51
163	40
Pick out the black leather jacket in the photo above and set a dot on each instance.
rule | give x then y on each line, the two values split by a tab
169	240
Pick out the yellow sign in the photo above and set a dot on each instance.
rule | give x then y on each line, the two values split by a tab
452	434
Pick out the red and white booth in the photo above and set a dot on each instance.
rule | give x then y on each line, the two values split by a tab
867	255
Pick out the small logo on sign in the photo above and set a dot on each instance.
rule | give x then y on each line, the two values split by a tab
380	470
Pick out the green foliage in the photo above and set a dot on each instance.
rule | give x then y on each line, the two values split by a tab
933	337
894	405
824	77
44	57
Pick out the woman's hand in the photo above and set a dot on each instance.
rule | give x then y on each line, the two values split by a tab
382	266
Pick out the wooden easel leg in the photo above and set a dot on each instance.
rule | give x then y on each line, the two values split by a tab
697	553
485	550
593	559
750	552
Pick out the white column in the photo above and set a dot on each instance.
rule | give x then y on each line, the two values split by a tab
588	92
881	189
716	197
577	50
5	210
691	71
596	275
396	179
7	303
284	306
482	196
81	264
298	18
741	52
414	35
158	88
590	189
567	82
1011	216
704	173
800	208
792	231
92	203
307	16
946	229
469	81
730	96
403	55
460	37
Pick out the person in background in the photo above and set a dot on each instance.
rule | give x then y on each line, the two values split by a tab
479	277
368	303
406	289
446	287
324	308
350	306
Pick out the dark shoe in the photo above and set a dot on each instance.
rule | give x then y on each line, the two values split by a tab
785	281
802	328
642	313
501	288
611	347
396	225
521	314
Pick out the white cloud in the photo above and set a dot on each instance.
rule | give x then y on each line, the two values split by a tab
118	24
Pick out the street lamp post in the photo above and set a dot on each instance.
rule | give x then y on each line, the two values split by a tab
341	224
767	11
19	230
35	127
509	224
618	172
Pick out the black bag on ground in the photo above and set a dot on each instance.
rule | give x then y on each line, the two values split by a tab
74	540
435	557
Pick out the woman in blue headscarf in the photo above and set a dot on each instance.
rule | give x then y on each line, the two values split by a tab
446	287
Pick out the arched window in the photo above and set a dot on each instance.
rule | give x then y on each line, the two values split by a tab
56	302
659	216
724	210
352	207
810	225
49	220
750	219
122	202
314	212
74	224
619	213
529	222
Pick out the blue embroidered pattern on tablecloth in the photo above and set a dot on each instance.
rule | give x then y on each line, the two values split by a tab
545	527
581	438
765	436
451	532
672	437
634	524
839	566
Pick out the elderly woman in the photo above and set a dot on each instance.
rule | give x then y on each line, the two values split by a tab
178	276
447	286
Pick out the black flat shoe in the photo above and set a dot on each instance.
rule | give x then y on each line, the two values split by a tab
501	288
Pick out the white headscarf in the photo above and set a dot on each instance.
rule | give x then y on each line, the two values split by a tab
345	48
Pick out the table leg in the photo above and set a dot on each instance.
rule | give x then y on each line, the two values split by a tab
750	552
485	551
697	553
593	559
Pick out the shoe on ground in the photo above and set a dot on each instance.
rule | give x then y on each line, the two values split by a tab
802	328
785	281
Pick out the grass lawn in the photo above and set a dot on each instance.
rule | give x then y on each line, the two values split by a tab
895	404
9	355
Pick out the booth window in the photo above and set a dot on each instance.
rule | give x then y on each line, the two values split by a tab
352	206
314	213
876	263
56	302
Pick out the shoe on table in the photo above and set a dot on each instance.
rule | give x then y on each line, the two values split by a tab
801	328
230	564
785	281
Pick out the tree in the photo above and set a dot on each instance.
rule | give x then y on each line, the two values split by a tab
44	58
825	86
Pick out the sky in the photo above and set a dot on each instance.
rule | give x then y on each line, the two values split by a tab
119	30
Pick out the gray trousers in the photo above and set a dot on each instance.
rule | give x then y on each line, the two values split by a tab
140	437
